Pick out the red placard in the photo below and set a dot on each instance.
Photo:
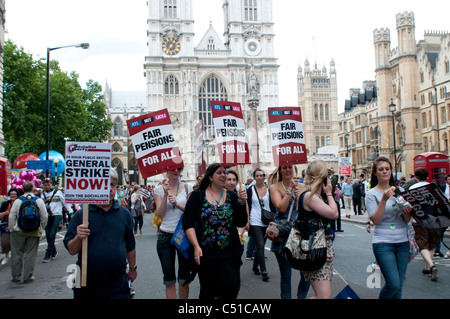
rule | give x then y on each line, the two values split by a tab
230	133
287	136
154	144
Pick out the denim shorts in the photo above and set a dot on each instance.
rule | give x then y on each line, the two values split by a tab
166	253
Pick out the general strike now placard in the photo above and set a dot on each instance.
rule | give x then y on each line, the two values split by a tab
287	136
229	128
87	173
154	144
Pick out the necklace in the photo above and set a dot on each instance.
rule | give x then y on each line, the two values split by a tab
285	190
217	201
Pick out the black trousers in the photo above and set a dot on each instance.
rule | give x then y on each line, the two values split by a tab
219	278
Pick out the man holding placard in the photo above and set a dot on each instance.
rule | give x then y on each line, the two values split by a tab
102	232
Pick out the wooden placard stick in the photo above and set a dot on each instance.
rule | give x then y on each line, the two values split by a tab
84	247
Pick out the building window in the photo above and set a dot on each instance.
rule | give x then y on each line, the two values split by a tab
316	113
212	89
170	9
250	10
118	128
171	86
211	45
327	113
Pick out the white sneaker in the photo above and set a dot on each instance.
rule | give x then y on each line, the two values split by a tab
5	260
447	255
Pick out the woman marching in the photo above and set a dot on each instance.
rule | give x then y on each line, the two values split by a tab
390	242
5	208
137	209
312	205
211	217
258	197
284	188
170	198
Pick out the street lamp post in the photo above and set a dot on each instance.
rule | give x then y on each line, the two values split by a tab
346	144
81	45
392	109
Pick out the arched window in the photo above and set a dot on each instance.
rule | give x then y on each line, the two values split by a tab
170	9
171	87
321	112
118	128
212	89
327	113
316	112
211	45
250	10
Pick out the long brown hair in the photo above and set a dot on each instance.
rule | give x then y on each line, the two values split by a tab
374	178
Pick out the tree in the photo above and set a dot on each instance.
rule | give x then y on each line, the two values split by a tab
75	114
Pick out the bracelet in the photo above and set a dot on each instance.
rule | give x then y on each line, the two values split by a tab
368	223
330	195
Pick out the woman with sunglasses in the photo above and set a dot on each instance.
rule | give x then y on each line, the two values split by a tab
211	217
284	190
170	199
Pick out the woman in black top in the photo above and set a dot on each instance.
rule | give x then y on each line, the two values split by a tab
210	219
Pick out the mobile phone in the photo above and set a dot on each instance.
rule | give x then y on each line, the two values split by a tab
325	180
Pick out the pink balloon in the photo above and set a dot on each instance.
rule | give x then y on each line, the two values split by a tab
13	186
23	174
18	181
37	182
19	186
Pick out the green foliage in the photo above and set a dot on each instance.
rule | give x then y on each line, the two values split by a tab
75	114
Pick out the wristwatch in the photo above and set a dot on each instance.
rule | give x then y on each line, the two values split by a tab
133	268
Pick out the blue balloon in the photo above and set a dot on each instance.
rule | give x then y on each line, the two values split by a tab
57	168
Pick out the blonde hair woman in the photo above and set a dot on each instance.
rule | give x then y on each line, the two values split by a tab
312	205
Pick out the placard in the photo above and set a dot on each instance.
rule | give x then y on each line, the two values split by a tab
87	174
287	136
345	166
154	143
229	128
431	209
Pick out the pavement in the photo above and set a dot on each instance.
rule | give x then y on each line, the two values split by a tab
362	219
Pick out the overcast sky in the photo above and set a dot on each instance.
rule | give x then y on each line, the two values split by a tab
116	31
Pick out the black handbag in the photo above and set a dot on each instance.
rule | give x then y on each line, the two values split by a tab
306	247
267	216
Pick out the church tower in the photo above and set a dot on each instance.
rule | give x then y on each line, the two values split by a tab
317	98
184	77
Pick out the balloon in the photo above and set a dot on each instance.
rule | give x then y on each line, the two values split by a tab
18	181
23	175
13	186
37	182
21	161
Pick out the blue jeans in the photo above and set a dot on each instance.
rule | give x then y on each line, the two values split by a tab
285	279
50	233
166	253
393	262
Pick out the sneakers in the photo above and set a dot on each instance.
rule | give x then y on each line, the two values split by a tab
5	260
447	255
47	258
265	277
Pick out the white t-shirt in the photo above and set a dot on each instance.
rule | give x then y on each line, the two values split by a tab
172	216
255	213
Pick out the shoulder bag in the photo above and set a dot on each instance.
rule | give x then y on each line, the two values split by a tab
278	232
267	216
306	246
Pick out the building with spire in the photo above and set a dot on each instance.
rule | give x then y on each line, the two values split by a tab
184	77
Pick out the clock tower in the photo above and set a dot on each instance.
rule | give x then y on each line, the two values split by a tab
184	74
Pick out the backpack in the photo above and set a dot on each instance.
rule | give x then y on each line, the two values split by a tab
29	218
